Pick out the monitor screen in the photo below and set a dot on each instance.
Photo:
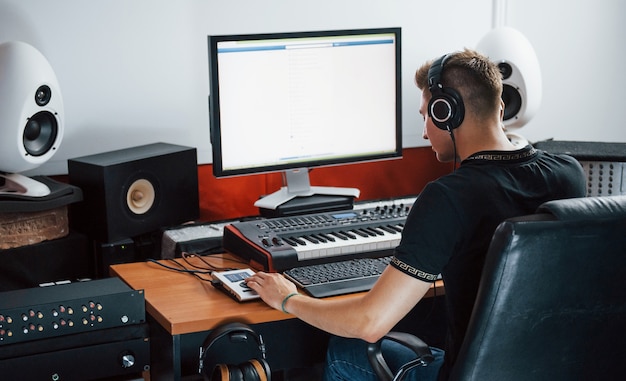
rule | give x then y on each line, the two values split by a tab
292	101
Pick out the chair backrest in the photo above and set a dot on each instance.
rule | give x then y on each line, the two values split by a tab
552	299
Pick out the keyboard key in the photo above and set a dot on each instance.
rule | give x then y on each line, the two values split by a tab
337	278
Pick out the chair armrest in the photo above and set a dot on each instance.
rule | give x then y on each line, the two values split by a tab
375	356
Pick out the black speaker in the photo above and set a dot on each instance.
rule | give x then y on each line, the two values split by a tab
237	335
445	107
134	191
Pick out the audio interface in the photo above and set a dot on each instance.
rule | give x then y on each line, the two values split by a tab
64	309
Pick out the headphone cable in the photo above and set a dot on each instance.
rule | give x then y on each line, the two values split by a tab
454	145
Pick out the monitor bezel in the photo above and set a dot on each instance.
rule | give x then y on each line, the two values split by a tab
214	115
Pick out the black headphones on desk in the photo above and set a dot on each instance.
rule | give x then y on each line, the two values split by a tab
446	107
252	370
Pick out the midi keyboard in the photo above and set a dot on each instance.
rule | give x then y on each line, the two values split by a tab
371	229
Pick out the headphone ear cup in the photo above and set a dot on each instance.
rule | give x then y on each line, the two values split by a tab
440	110
263	368
255	370
446	109
223	372
220	373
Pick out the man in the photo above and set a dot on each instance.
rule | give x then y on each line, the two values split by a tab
449	227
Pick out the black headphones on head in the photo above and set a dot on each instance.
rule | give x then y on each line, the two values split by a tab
252	370
446	107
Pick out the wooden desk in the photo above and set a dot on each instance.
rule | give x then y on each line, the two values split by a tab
187	308
181	303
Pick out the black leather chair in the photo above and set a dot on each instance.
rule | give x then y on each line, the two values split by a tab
552	299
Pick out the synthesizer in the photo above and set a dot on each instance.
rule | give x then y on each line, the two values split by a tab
369	229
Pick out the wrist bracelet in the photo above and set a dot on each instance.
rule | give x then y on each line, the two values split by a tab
285	301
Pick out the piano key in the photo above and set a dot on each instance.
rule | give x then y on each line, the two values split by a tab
365	229
359	232
310	239
348	243
340	235
388	229
319	237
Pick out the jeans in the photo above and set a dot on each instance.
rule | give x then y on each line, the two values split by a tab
346	360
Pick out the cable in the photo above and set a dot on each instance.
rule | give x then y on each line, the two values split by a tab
194	269
182	269
454	145
202	257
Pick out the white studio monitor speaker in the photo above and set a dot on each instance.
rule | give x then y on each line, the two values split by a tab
521	74
31	117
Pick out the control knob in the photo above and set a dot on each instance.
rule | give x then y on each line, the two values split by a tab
128	360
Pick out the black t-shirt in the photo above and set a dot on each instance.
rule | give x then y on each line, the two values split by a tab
450	226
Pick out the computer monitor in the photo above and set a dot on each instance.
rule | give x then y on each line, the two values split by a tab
292	101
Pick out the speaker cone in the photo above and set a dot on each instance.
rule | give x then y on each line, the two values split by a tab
40	133
43	95
505	69
512	101
140	196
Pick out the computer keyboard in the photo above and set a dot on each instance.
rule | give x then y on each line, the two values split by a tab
337	278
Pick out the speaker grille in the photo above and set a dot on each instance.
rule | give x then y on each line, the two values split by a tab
40	133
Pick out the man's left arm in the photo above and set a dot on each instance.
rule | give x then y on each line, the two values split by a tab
368	316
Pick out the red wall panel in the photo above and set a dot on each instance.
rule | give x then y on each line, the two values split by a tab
233	197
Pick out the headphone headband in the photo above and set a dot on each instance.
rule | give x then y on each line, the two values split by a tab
434	73
227	329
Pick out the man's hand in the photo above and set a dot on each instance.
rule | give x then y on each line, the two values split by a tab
273	288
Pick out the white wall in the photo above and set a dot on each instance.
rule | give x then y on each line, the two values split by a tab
135	71
581	46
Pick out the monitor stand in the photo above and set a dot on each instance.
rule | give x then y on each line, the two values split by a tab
299	185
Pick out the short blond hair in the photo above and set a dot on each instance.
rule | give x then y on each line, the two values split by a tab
473	76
